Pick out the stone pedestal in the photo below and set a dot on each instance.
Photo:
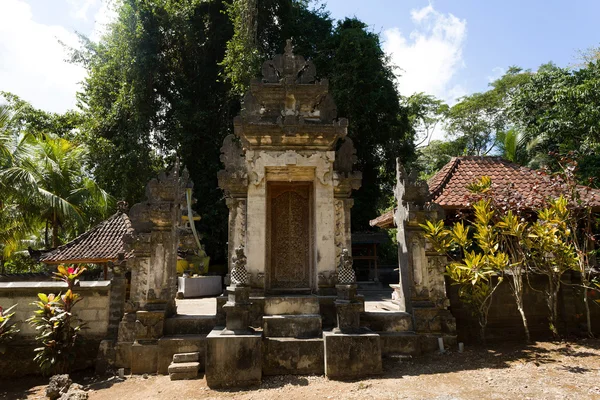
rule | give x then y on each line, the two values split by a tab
237	310
233	360
352	355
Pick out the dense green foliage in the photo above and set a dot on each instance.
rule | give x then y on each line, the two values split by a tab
47	194
166	80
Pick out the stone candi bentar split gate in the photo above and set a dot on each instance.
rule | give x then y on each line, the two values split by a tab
291	306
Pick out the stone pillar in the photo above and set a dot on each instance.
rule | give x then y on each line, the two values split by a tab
351	351
234	182
421	290
154	240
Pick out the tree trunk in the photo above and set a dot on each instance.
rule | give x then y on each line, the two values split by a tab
553	288
518	293
46	236
587	312
55	232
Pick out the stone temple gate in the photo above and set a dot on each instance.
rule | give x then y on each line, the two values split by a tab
288	188
291	305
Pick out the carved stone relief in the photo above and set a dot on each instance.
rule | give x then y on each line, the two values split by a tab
259	161
290	234
340	229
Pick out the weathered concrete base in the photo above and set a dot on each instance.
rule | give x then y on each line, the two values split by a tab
293	356
429	342
350	356
386	321
400	343
299	326
233	360
144	358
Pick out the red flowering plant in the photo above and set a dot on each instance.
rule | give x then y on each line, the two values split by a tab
59	331
7	327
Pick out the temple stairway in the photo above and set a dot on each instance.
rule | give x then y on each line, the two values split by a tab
292	336
292	328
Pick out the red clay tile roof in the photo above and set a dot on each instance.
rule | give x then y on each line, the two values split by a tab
448	187
100	244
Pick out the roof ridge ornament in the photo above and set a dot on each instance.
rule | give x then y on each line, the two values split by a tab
288	68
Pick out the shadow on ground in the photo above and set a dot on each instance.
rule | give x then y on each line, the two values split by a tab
494	357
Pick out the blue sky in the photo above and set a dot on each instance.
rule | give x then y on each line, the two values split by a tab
446	48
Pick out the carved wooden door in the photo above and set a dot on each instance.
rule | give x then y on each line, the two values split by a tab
290	236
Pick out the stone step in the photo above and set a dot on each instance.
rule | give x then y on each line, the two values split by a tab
186	357
184	370
291	305
190	324
387	321
292	356
168	346
400	343
297	326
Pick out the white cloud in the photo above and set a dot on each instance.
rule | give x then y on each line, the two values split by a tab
497	73
32	61
80	8
431	55
103	17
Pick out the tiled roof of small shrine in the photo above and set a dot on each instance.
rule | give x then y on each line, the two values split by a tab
100	244
448	187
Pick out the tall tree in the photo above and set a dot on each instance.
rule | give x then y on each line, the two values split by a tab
483	118
155	91
364	88
560	109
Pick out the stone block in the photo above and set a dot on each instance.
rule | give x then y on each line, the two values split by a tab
233	360
180	376
400	343
351	356
190	324
299	326
387	321
293	356
182	367
186	357
291	305
144	358
168	346
427	319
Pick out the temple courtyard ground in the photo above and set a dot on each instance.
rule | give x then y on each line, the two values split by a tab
542	370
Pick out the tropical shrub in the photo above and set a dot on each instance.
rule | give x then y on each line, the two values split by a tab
475	258
59	333
7	327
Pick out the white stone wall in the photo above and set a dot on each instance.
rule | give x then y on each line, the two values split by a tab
93	309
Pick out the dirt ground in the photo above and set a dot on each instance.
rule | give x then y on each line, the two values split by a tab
539	371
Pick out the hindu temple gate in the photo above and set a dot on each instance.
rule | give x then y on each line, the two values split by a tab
287	187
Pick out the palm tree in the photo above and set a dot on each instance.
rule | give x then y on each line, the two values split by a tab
44	186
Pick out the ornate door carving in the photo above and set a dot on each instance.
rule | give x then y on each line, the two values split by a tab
290	236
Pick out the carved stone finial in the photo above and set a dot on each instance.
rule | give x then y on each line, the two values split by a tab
239	274
122	206
409	188
345	157
289	48
288	68
346	275
232	154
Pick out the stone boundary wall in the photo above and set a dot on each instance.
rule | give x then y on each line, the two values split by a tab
504	320
93	309
97	309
